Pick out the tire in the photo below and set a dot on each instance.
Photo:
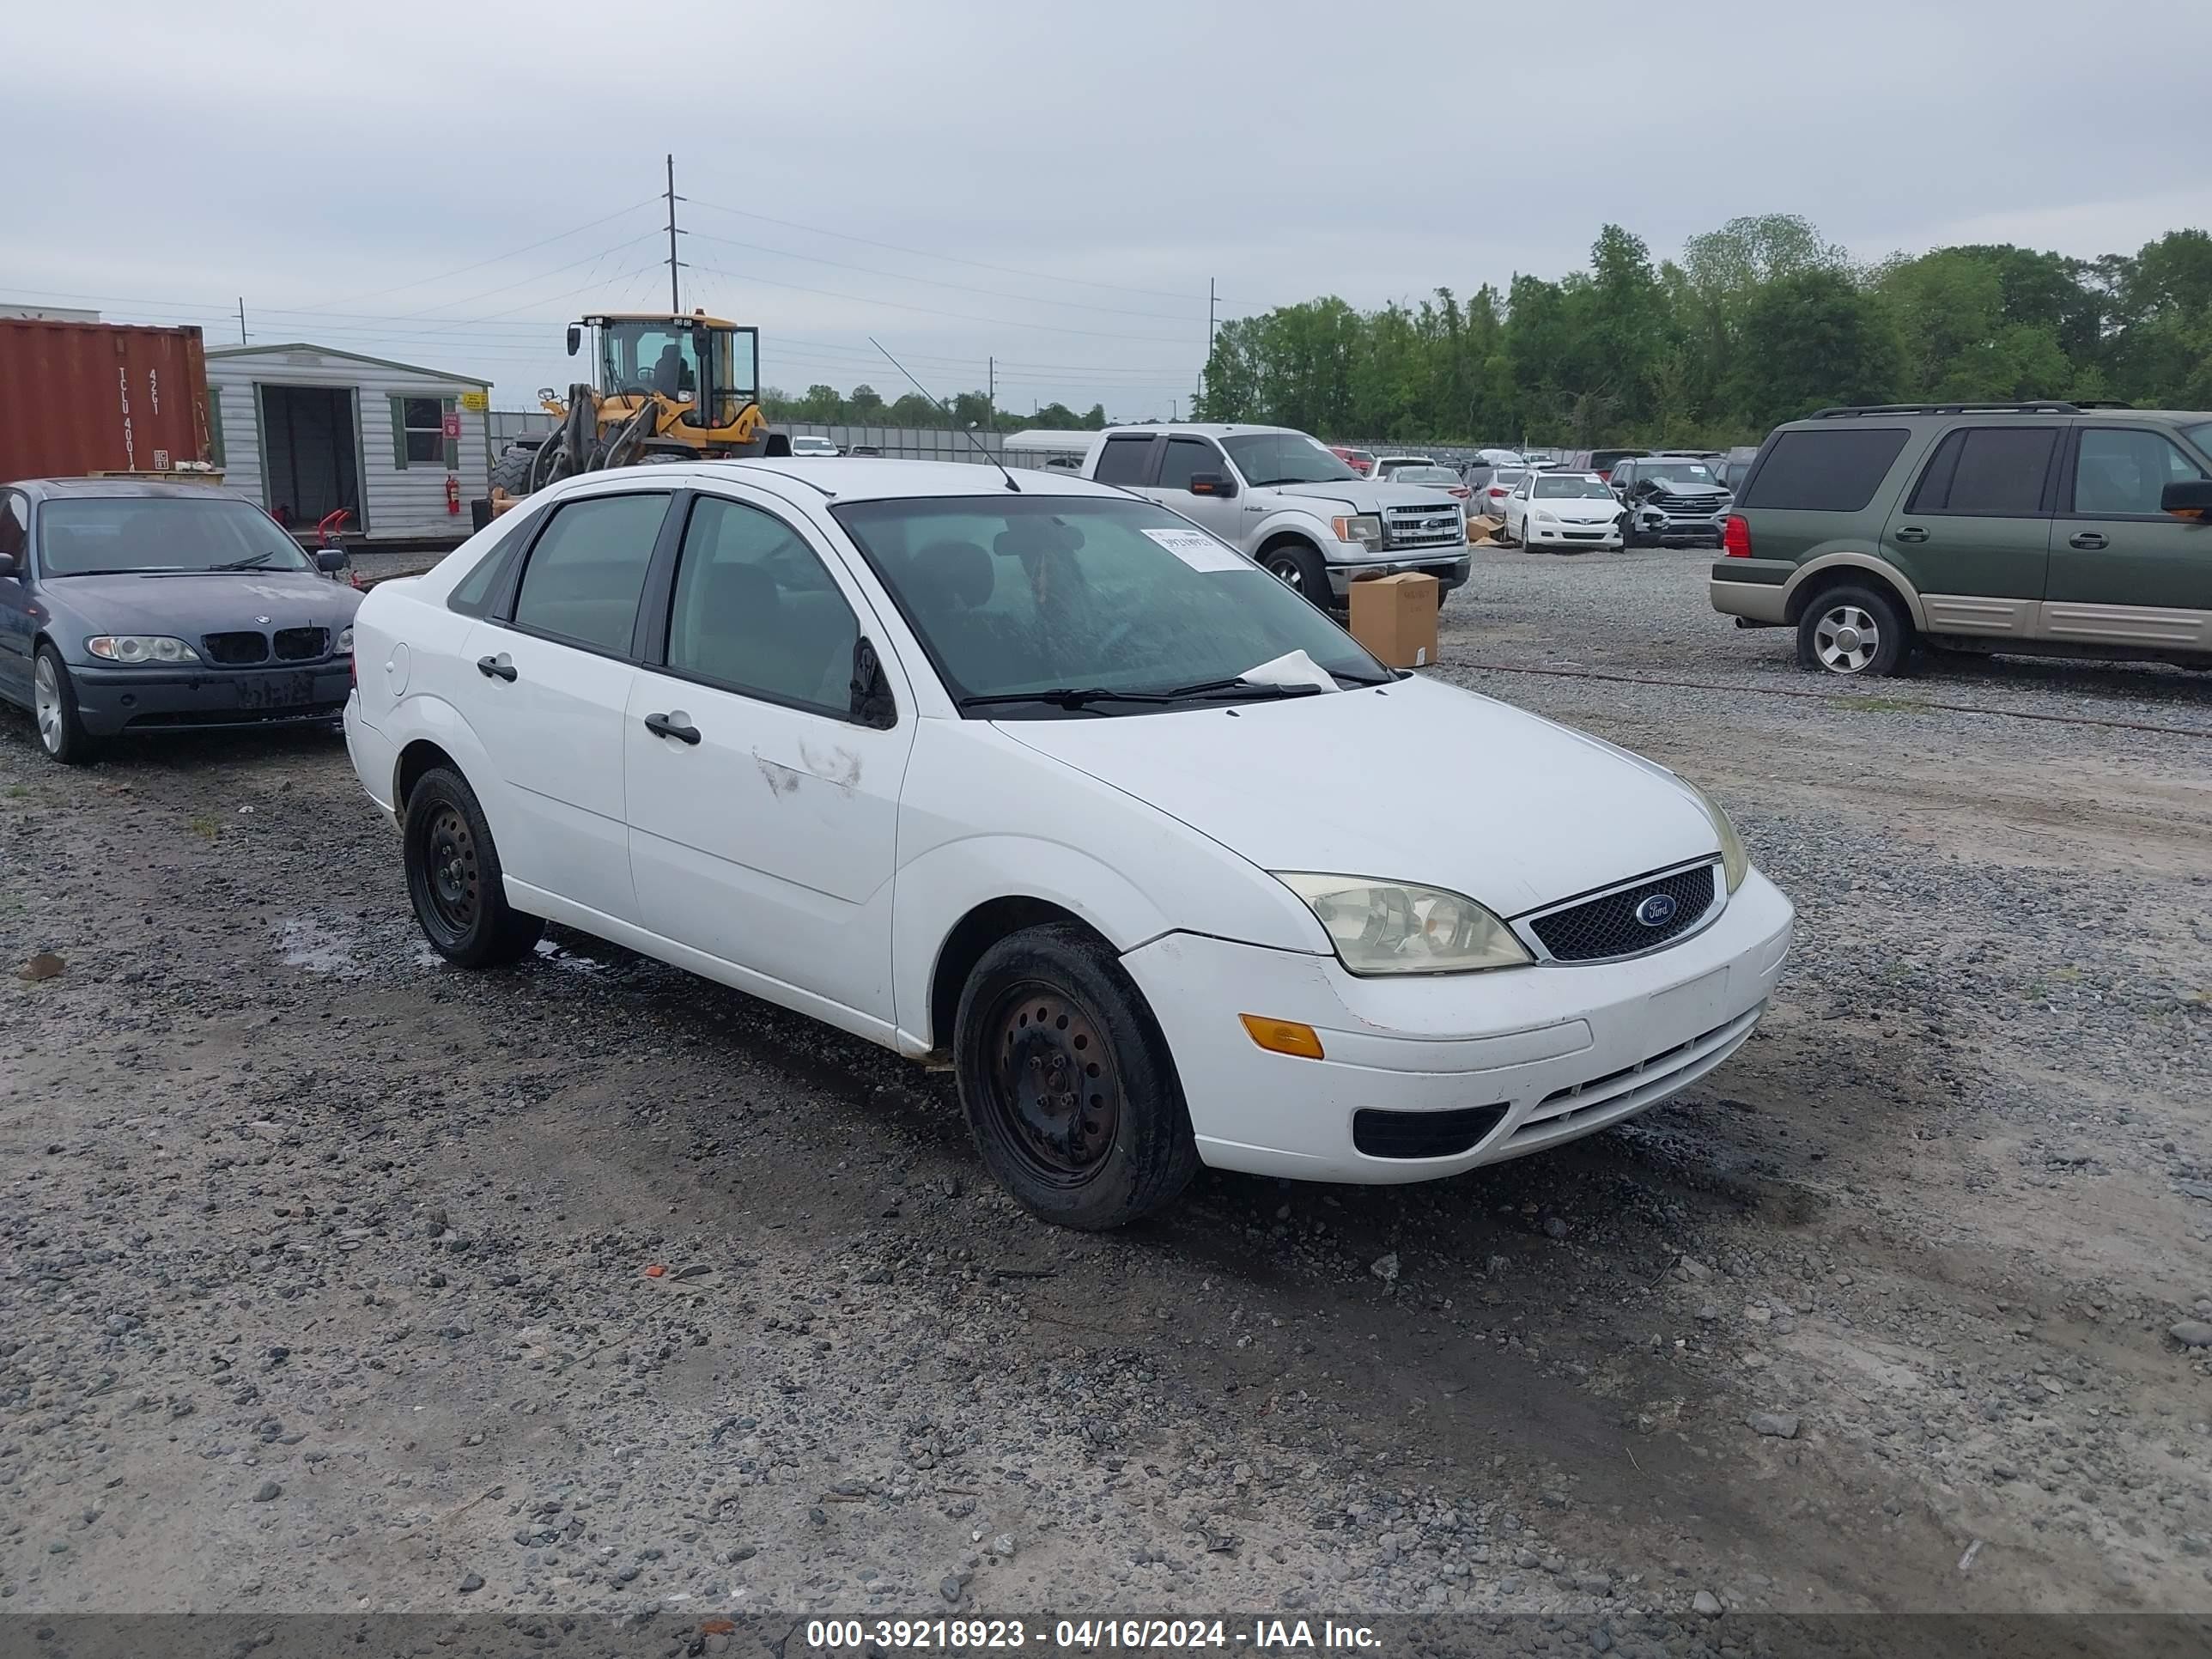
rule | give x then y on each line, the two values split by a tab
54	712
1853	630
1049	1006
1299	566
454	877
510	472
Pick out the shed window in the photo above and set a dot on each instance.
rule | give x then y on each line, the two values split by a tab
422	421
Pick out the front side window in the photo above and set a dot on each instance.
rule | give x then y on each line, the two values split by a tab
1281	458
2123	471
160	533
1013	596
585	575
1186	457
423	422
756	612
15	530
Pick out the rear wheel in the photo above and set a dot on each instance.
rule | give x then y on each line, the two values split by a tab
1853	630
1300	567
1067	1083
53	706
454	877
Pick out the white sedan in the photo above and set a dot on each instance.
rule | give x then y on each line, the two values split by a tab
1562	512
805	445
1024	778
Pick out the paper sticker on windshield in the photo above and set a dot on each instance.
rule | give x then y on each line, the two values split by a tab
1197	549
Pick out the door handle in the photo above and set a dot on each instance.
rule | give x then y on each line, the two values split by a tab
495	668
2088	540
1911	532
665	725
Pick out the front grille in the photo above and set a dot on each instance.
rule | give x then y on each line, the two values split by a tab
236	648
1700	505
1422	527
1423	1134
1610	926
302	644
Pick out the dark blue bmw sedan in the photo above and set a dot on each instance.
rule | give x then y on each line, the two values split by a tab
147	607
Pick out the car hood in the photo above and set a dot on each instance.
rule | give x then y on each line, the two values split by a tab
189	606
1358	495
1577	510
1417	781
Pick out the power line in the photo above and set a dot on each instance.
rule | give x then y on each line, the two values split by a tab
947	259
497	259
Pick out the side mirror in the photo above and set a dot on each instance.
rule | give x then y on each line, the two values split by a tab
1212	484
329	560
8	566
575	338
2188	498
871	689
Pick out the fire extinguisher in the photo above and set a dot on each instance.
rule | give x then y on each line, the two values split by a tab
452	493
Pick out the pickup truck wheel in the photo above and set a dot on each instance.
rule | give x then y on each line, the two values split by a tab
1853	630
454	877
1300	567
1067	1083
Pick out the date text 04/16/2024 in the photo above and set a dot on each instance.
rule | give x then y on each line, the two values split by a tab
1089	1635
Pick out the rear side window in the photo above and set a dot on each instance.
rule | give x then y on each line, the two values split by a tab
1987	471
586	572
1122	461
1821	470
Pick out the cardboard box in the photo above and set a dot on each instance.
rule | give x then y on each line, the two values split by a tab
1395	617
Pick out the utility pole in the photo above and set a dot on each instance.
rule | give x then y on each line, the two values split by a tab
242	319
991	389
1209	319
675	299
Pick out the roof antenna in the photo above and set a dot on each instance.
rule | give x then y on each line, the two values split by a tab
970	429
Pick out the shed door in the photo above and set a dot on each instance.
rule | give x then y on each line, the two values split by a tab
310	458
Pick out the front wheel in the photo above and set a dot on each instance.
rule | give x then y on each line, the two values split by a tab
1853	630
454	877
1067	1083
53	706
1298	566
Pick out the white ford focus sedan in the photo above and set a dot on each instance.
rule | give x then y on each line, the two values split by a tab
1042	779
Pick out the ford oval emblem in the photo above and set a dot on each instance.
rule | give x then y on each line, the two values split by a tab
1657	910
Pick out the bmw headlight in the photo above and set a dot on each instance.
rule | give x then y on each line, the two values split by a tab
1365	528
344	647
1398	927
1735	863
134	649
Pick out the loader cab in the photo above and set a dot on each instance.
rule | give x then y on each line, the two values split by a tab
670	356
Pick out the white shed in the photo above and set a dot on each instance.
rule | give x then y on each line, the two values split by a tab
308	429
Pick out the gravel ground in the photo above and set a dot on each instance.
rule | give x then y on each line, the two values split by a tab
324	1270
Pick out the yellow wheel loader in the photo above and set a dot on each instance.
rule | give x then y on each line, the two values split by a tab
666	387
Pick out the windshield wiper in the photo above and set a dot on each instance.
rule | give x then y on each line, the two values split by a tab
251	562
1065	696
1243	687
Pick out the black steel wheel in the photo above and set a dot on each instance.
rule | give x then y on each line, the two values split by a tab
454	877
1067	1083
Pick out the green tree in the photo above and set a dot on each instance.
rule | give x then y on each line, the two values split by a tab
1812	339
864	403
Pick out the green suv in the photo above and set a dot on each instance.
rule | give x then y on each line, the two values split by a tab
2074	530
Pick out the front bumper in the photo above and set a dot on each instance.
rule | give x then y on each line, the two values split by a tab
1567	537
1564	1048
111	701
1449	567
1662	530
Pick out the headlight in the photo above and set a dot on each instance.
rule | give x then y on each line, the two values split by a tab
136	649
1735	863
1547	517
1395	927
345	647
1365	528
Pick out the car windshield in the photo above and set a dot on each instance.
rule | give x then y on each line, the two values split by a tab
1570	489
1506	477
2201	436
1017	596
1676	471
103	534
1424	474
1276	457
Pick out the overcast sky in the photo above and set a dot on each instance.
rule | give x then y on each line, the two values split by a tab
1050	184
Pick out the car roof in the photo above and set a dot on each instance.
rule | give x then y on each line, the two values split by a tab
864	477
96	488
1889	414
1203	429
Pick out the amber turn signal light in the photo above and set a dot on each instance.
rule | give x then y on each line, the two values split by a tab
1283	1037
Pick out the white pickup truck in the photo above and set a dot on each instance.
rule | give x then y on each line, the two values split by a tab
1284	499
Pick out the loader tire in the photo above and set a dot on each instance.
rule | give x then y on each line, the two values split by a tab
510	472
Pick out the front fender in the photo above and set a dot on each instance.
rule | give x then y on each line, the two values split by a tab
1306	525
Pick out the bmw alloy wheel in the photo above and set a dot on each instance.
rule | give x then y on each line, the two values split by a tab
46	704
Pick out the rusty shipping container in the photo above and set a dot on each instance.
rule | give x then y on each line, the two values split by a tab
78	398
